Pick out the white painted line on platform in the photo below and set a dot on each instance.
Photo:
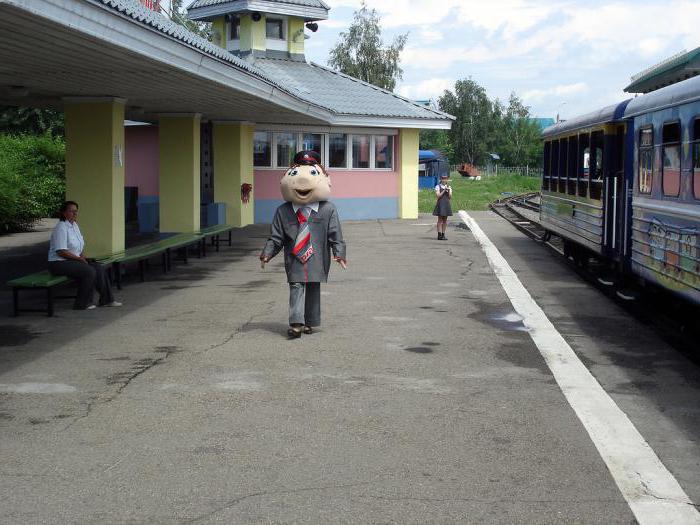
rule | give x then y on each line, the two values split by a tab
651	491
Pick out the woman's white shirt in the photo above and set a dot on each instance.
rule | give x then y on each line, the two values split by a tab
441	187
66	236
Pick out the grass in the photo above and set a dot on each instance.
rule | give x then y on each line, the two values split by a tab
478	194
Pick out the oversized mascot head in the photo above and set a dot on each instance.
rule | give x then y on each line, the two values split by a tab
306	181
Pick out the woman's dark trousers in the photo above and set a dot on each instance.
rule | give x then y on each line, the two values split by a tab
90	277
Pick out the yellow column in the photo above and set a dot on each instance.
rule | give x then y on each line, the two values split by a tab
408	175
233	165
178	138
295	39
95	170
253	34
218	32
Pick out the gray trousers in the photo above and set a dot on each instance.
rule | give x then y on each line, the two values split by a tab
305	304
90	277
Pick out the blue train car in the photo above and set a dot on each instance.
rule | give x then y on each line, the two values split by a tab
665	221
583	180
623	184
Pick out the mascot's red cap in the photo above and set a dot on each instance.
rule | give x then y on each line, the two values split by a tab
307	158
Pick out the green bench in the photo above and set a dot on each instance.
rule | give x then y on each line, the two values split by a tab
214	232
141	254
36	281
138	254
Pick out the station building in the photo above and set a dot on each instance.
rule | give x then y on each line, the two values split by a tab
223	114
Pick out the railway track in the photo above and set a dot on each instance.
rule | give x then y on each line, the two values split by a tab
676	321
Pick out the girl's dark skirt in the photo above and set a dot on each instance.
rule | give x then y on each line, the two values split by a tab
443	207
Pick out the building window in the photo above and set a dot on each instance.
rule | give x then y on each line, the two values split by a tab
337	150
286	149
360	151
671	155
696	157
262	149
646	159
235	28
274	28
313	142
383	151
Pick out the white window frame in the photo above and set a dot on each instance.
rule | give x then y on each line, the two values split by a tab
277	44
231	44
272	151
299	133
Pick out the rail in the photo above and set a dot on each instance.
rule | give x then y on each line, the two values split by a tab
675	320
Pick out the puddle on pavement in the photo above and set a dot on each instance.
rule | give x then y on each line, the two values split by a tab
506	320
419	349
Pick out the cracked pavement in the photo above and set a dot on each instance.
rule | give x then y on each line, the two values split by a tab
421	399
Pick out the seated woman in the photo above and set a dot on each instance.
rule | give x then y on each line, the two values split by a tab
66	258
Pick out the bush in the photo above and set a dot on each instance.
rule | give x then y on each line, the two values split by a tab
32	179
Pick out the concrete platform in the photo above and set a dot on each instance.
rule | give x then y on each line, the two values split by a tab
422	398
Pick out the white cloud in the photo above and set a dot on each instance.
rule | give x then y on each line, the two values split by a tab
562	90
431	88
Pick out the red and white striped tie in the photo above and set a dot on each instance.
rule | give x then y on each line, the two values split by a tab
303	249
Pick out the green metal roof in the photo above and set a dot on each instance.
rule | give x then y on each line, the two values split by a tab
674	69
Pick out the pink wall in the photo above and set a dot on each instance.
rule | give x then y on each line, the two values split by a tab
141	159
345	184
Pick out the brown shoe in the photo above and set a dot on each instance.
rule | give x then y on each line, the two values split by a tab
294	333
308	330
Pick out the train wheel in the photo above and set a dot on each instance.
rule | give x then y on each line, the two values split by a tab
568	249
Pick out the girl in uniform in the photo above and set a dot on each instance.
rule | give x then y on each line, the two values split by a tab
443	209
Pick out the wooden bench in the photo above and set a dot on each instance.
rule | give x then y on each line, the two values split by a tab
36	281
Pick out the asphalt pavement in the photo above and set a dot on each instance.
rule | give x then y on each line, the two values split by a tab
421	398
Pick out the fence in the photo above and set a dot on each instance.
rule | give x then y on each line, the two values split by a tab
494	169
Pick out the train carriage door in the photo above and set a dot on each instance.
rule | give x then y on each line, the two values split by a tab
616	191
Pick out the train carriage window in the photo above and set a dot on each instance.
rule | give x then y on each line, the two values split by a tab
595	165
563	147
584	154
555	165
546	171
646	159
671	155
571	170
696	157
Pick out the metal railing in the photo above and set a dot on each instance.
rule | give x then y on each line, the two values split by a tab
495	170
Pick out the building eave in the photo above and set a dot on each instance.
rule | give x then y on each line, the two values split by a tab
249	6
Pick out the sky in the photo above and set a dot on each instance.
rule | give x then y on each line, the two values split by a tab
560	57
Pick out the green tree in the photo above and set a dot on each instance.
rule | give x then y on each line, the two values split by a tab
519	142
361	53
179	15
438	139
32	121
475	128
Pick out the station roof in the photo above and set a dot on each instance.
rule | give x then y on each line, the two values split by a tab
341	93
118	48
306	9
672	70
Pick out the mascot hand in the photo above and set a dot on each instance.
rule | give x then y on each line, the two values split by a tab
343	263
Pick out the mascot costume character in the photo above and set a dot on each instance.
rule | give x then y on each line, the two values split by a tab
308	228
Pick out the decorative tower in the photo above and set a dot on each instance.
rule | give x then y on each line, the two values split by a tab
261	28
